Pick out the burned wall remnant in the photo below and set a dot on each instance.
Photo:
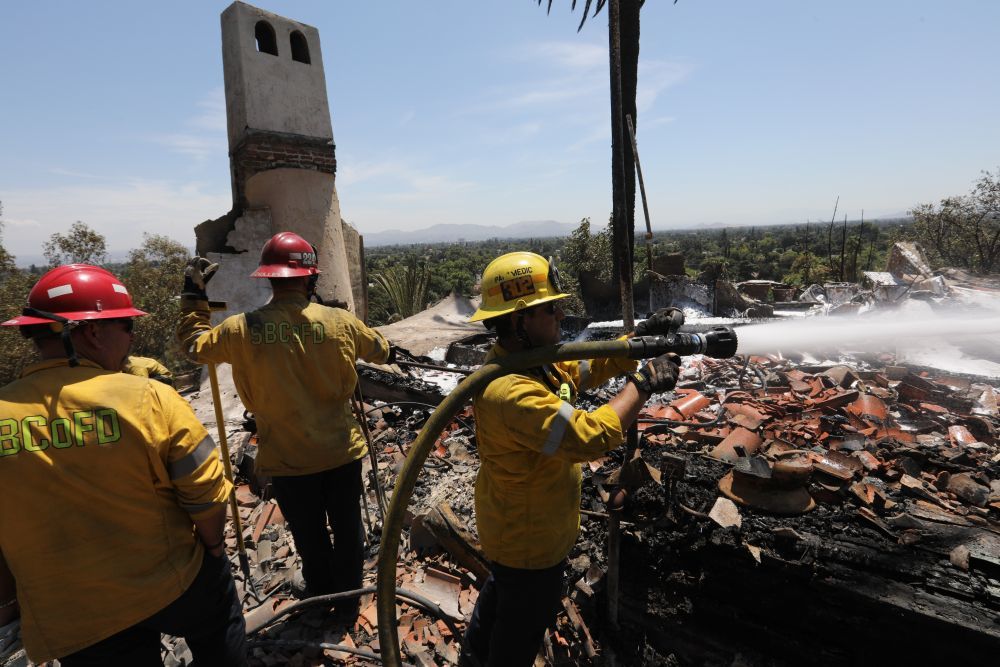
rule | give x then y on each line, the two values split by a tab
670	264
907	259
282	159
680	291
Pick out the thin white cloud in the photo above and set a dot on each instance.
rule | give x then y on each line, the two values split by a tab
59	171
120	212
571	85
213	112
200	147
407	118
592	134
649	123
206	136
656	76
513	133
551	93
573	55
397	179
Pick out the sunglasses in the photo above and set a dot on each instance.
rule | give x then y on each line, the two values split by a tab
127	323
549	308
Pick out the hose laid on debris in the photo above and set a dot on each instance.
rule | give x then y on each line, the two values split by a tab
760	375
421	447
465	425
302	643
696	425
411	598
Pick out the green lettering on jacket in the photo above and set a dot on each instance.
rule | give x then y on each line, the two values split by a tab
268	333
35	433
10	444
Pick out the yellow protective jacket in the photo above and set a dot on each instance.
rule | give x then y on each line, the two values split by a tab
101	474
531	443
293	366
147	368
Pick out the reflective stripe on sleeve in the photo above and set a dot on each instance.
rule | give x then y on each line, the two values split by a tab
187	465
558	429
584	368
202	507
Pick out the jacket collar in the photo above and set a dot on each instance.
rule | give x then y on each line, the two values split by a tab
289	297
46	364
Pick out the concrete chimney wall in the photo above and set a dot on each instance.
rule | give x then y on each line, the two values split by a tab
282	159
354	244
305	202
260	86
232	283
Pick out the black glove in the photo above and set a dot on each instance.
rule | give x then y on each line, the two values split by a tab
662	322
659	374
196	276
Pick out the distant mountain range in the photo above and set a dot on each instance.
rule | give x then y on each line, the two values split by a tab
457	233
550	228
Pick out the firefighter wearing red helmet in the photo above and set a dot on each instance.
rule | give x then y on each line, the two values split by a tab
294	367
120	493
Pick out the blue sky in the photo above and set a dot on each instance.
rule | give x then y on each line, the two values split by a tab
491	112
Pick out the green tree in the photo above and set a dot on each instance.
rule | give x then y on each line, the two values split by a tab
80	244
154	275
807	269
405	287
963	230
584	252
15	351
6	259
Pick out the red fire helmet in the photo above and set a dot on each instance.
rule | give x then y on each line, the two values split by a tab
77	292
286	255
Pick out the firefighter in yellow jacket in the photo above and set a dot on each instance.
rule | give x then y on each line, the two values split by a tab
114	497
148	367
294	368
531	442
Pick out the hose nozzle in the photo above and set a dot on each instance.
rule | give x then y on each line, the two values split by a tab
719	343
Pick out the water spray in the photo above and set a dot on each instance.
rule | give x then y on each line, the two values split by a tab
867	333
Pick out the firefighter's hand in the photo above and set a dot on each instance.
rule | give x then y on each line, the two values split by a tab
662	322
659	374
196	276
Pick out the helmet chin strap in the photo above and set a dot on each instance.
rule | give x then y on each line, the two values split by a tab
313	279
521	332
67	328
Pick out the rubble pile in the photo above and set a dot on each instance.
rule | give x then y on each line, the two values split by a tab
815	512
774	512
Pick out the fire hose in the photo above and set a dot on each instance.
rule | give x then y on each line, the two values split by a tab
227	465
719	343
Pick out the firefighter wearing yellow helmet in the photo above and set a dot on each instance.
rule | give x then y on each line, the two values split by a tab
516	281
114	497
531	442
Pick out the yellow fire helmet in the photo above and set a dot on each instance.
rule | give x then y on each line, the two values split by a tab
516	281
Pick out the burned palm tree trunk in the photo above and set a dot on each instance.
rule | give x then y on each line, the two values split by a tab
843	249
623	46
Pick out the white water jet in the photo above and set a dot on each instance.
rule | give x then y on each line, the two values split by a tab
809	335
914	333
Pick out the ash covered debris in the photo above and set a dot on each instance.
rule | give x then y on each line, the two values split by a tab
868	503
793	498
862	504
